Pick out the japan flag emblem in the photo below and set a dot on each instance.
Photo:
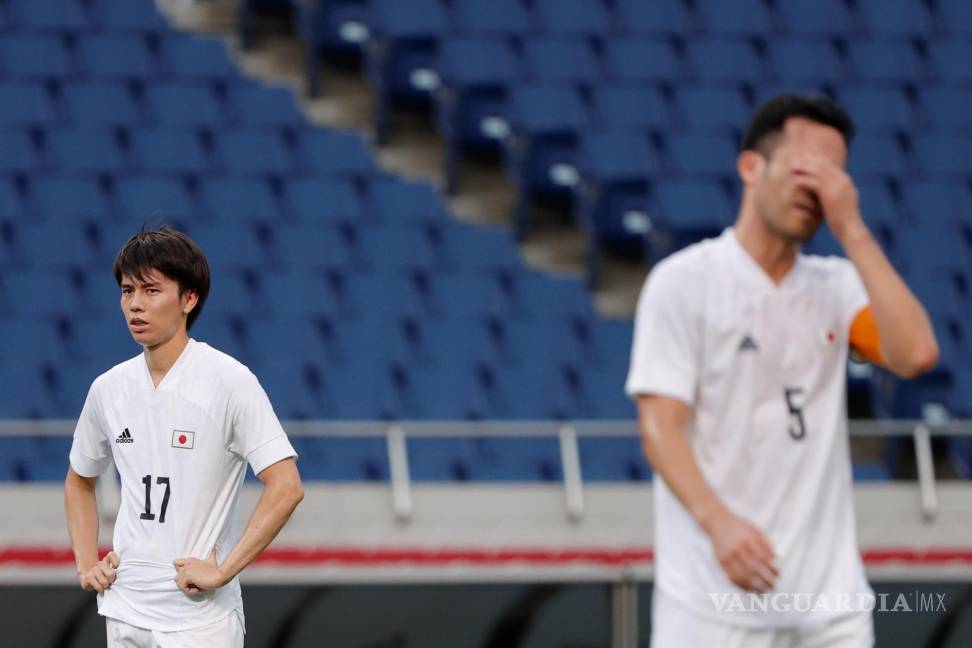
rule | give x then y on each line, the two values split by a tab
183	439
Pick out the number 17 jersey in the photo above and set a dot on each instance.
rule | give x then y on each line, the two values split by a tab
181	450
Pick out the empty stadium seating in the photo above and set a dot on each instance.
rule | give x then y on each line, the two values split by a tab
380	306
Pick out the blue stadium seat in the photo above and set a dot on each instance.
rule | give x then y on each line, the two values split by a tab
80	150
876	156
896	18
343	459
877	108
440	459
952	59
947	107
491	17
631	105
539	296
604	342
106	341
956	16
119	56
185	104
516	459
35	55
310	248
947	201
233	200
560	59
395	202
333	152
318	202
885	61
480	248
195	57
394	294
68	198
457	295
123	15
17	151
550	340
830	17
944	155
718	60
541	160
616	165
250	151
147	197
234	247
11	199
25	103
802	60
472	110
748	17
708	108
66	244
257	106
659	17
869	471
878	204
613	459
580	17
303	294
642	60
52	15
238	292
933	244
171	150
341	27
403	67
694	153
686	211
101	103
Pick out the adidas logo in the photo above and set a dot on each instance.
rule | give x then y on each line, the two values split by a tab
125	437
748	344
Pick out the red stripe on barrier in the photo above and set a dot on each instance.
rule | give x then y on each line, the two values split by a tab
358	557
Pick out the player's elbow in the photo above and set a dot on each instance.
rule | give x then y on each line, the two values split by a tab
921	360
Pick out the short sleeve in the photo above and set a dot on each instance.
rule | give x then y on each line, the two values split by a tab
90	452
665	350
853	296
258	436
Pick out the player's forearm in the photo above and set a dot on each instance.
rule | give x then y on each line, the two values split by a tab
670	455
908	343
81	509
272	511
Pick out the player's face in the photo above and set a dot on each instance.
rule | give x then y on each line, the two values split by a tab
789	210
153	308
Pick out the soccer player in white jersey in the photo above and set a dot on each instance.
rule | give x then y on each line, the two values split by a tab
738	367
180	422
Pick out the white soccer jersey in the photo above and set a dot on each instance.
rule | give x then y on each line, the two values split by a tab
181	451
764	369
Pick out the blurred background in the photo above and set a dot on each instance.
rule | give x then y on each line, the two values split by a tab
428	222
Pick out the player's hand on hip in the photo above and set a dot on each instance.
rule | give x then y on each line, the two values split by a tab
101	575
744	552
833	188
194	575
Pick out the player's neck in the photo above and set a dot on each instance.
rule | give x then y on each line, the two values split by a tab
775	255
162	356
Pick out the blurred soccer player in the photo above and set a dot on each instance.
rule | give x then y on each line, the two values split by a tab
739	367
180	422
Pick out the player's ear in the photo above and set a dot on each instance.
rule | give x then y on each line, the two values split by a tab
749	165
189	300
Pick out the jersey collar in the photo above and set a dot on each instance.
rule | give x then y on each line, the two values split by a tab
174	369
754	273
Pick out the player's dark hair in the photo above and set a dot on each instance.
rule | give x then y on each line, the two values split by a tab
766	124
173	254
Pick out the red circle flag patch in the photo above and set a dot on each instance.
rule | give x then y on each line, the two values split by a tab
183	439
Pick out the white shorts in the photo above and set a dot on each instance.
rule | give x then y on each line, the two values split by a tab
674	626
225	633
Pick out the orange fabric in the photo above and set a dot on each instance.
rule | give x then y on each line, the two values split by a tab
864	336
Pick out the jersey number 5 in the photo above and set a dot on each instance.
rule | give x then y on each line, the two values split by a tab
148	514
794	403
